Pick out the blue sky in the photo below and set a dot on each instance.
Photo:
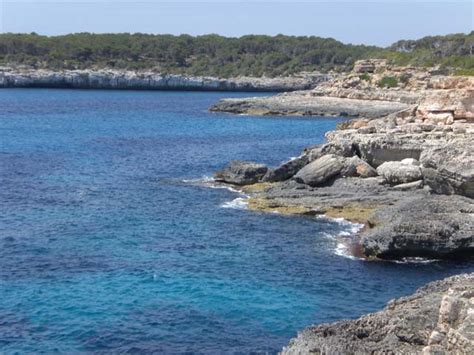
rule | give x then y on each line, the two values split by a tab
371	22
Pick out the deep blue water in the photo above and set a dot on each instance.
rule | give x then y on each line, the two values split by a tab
104	248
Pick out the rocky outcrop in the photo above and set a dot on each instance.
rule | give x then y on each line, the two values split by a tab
116	79
383	171
241	173
436	319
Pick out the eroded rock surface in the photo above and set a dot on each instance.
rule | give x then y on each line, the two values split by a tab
436	319
430	226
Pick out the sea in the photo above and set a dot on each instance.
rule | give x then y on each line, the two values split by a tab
113	238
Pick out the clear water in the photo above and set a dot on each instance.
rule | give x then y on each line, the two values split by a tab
104	248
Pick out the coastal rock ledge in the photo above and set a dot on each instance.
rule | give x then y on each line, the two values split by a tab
436	319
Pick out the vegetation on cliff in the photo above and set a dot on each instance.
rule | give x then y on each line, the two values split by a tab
214	55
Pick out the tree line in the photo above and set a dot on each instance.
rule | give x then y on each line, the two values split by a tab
214	55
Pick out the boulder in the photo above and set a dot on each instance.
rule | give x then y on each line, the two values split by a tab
357	167
241	173
286	170
400	172
320	171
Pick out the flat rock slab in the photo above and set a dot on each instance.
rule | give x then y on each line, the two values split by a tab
300	104
401	223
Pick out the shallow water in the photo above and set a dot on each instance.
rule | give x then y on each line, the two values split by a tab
105	246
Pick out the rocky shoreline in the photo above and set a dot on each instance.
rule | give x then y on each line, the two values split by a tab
407	176
404	168
132	80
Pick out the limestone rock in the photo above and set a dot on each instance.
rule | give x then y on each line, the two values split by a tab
379	148
241	173
320	171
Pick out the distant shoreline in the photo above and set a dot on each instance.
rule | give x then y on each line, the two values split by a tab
150	81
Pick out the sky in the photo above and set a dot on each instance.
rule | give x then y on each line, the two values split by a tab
379	22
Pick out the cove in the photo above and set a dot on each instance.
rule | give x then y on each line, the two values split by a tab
109	243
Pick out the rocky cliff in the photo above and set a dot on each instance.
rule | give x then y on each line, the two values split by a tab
436	319
114	79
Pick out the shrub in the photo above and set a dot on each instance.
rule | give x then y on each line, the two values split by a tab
465	72
365	77
388	82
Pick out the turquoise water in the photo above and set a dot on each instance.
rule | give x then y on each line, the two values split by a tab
108	243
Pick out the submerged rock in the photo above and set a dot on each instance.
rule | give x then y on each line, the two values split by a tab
241	173
436	319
